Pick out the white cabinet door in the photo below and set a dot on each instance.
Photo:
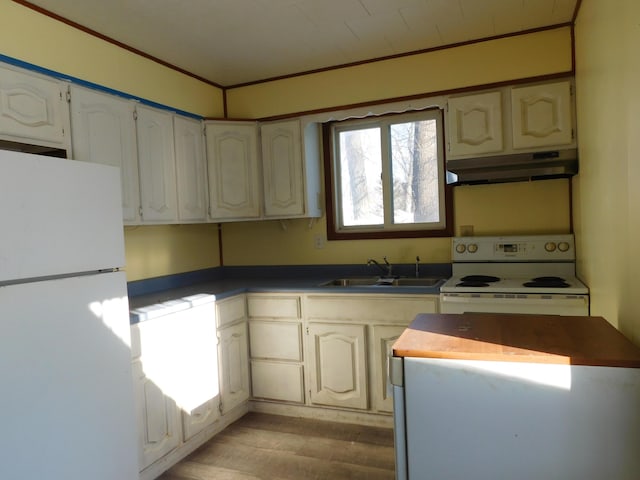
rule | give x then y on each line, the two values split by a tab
158	418
198	394
33	108
542	115
104	131
384	336
234	366
475	124
190	170
337	365
282	164
233	169
157	165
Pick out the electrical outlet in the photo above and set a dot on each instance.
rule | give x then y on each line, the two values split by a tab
318	241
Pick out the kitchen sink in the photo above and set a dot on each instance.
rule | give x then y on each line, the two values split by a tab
383	282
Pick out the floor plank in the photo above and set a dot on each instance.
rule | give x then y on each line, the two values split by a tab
262	446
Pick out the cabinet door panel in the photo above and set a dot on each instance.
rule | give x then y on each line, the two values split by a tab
541	115
282	164
157	165
277	381
104	132
198	389
337	365
270	306
384	337
32	108
232	156
158	425
475	124
190	169
276	340
234	366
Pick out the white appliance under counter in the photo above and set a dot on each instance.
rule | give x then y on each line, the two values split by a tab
489	396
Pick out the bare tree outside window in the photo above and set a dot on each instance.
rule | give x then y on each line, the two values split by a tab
414	159
389	173
361	184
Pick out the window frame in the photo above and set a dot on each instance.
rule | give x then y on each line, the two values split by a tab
332	195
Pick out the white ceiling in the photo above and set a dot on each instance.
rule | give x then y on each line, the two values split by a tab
230	42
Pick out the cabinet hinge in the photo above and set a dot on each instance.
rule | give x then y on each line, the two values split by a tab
68	96
135	114
307	328
220	408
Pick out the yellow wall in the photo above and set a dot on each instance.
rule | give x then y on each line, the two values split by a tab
156	250
476	64
34	38
606	193
516	208
525	208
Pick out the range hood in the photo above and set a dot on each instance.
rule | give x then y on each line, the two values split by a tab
513	168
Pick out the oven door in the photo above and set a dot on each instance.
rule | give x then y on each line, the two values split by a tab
514	303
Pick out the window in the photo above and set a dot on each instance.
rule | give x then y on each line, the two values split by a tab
387	177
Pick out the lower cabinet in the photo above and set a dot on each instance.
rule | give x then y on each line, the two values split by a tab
158	418
189	375
233	352
234	361
337	364
349	339
382	339
196	366
275	339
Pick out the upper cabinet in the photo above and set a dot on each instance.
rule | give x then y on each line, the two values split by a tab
541	115
511	120
190	169
160	155
156	160
233	167
290	159
104	132
475	124
33	109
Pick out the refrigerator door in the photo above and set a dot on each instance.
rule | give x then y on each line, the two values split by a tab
58	217
65	371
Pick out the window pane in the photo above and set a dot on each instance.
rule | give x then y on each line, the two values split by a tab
360	177
414	170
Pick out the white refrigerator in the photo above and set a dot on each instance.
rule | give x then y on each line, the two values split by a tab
66	393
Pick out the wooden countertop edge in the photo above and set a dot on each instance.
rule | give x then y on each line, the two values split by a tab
518	358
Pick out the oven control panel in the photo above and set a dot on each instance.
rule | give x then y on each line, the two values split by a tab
531	248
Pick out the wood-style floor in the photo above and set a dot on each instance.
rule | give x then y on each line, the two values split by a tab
261	446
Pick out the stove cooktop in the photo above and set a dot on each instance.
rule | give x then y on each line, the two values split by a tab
514	285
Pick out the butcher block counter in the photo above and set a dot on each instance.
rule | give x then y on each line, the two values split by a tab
518	338
489	396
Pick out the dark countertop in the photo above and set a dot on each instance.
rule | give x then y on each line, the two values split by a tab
156	297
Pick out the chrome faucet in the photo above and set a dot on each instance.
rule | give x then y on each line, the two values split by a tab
386	270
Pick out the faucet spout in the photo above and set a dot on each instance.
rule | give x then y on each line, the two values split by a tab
386	269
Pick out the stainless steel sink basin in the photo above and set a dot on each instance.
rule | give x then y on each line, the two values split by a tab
378	282
352	282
